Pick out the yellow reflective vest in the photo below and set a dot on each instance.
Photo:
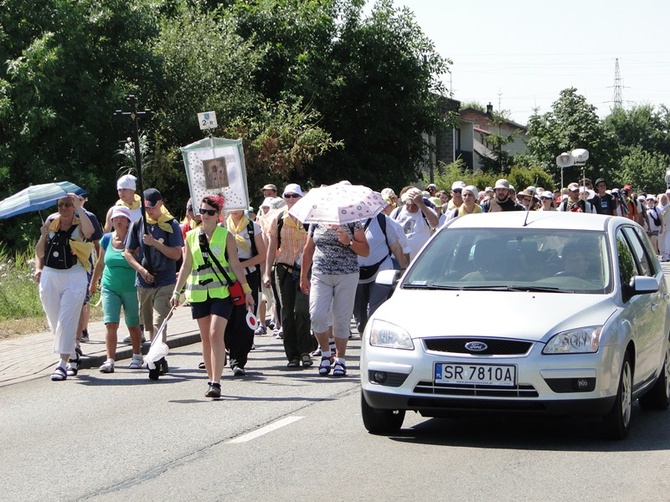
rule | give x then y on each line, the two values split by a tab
205	278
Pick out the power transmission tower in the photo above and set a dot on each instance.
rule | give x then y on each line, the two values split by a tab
617	99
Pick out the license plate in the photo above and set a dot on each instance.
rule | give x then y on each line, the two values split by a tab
475	374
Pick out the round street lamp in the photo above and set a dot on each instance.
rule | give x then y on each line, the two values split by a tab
564	160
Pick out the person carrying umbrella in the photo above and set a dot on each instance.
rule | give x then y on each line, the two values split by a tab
61	267
332	251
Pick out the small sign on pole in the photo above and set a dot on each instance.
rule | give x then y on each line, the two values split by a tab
207	120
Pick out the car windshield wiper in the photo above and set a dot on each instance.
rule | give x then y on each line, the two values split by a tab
428	286
529	289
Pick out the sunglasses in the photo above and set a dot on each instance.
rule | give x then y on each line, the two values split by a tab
291	195
210	212
458	190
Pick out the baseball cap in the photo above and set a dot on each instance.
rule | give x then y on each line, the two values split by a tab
436	201
152	197
458	185
121	211
292	188
270	186
573	187
127	181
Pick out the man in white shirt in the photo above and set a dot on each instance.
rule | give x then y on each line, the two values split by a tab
416	219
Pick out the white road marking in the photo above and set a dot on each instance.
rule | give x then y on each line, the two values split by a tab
264	430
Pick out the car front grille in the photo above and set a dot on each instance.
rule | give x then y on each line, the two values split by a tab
517	391
493	347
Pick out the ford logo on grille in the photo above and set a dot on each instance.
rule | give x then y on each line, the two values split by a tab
476	346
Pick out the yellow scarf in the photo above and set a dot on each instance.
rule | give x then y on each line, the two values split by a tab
82	249
164	220
237	230
290	221
134	205
463	212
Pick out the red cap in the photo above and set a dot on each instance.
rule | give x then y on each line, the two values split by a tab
627	187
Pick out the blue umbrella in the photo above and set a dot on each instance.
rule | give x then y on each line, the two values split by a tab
37	197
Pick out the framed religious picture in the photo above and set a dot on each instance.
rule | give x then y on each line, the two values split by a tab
216	175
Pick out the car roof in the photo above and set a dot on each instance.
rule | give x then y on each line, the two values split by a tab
538	220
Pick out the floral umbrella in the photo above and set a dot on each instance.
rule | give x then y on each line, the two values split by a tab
338	204
36	198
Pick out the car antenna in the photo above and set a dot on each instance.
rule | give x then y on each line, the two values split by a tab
525	220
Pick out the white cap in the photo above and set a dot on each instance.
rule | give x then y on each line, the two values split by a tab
293	188
127	181
458	184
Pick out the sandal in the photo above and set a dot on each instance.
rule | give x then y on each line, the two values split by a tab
59	374
201	366
324	367
73	366
339	369
306	361
293	363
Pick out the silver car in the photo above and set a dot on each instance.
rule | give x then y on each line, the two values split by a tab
539	312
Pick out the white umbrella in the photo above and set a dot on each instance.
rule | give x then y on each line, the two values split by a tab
338	204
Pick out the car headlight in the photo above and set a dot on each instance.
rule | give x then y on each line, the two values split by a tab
576	341
385	334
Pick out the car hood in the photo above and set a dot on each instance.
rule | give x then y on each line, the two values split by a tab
506	314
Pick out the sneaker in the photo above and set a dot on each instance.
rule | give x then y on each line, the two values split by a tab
239	371
84	336
107	366
316	353
278	334
261	330
127	341
78	351
136	363
214	390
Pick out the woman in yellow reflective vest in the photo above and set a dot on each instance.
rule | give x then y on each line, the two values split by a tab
206	287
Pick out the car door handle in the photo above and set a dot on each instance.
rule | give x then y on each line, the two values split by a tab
654	306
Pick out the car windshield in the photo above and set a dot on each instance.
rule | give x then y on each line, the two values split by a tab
563	261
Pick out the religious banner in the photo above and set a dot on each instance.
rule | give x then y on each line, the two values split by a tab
216	166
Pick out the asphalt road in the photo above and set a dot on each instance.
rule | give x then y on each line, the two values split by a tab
286	435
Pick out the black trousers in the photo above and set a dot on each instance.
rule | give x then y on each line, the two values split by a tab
239	337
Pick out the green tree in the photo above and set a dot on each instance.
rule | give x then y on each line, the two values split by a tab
572	123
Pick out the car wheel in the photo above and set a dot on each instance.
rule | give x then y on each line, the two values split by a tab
616	423
658	398
381	421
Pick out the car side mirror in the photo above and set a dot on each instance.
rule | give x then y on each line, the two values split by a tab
643	285
388	278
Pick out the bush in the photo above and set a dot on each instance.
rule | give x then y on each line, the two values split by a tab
19	296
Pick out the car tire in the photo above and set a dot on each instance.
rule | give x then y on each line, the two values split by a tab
658	398
616	423
381	421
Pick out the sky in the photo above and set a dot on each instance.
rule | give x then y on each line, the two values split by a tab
519	54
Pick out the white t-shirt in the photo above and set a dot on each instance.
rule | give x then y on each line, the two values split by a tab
416	229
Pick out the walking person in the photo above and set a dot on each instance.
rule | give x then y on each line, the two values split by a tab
117	289
331	252
385	238
61	266
153	250
207	290
251	252
287	237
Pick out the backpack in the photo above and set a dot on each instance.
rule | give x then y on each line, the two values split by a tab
58	253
